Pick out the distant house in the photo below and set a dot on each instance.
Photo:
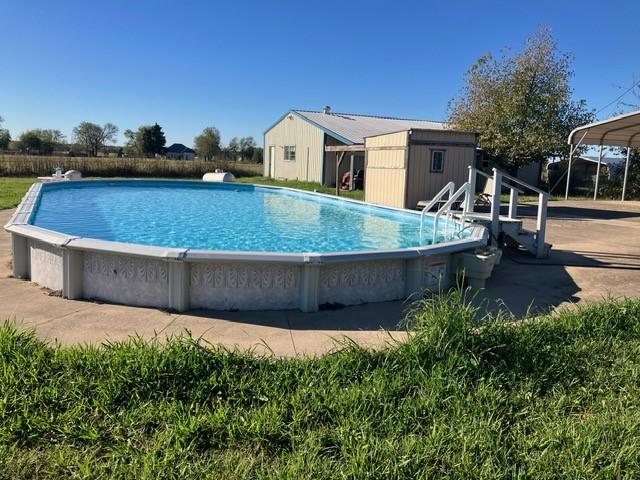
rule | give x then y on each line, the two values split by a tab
178	151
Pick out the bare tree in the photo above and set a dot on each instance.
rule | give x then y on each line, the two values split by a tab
93	136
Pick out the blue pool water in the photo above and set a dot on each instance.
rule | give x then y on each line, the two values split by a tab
223	217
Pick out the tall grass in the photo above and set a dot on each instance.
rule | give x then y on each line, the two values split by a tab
22	166
554	397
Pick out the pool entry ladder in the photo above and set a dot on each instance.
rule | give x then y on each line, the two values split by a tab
502	227
447	209
510	226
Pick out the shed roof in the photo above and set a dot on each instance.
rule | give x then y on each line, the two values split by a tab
351	128
620	131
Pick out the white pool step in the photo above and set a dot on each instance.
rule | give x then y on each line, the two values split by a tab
512	228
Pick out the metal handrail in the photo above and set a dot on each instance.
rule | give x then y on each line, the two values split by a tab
486	175
524	184
498	183
449	187
464	189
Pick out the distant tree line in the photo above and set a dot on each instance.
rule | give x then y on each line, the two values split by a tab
92	139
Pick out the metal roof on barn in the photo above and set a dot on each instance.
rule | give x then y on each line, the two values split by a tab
352	128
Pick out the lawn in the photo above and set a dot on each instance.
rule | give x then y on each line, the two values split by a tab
553	397
356	194
12	189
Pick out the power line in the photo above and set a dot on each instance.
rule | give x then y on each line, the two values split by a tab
635	84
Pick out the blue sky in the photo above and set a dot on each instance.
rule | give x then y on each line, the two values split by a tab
239	65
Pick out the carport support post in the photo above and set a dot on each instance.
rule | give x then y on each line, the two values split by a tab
595	190
566	191
626	173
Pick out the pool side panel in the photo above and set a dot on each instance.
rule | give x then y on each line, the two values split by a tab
361	282
46	262
244	286
124	279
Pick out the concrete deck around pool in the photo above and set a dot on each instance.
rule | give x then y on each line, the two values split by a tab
596	253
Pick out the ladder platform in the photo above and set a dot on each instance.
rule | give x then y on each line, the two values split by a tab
485	217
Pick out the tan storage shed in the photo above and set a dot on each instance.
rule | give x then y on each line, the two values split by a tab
405	167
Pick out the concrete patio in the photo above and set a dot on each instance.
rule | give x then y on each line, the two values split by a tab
596	254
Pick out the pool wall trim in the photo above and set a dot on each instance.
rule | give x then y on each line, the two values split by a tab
173	278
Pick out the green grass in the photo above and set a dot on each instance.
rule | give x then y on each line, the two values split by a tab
554	397
356	194
12	190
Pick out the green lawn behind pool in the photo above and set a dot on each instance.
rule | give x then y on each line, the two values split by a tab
12	190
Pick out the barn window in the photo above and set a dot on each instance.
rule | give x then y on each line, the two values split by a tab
290	153
437	160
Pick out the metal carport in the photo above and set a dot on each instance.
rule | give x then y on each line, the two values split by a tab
621	131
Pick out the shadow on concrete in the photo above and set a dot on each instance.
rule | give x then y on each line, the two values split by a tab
367	317
524	284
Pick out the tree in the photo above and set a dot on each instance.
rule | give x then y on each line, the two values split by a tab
93	136
131	142
247	146
207	144
29	141
521	104
5	137
258	155
147	140
40	141
234	147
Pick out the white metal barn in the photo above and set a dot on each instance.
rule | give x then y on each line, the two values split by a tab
311	145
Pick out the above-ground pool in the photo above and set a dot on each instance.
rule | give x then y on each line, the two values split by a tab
187	244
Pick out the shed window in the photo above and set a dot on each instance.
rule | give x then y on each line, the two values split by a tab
290	153
437	160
